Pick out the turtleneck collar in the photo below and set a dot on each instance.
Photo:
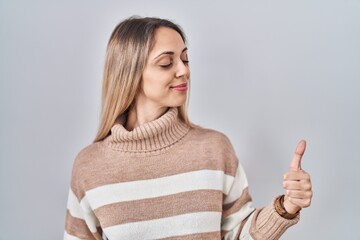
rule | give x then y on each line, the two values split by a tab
151	136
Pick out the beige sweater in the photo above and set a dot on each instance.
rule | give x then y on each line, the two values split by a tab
165	180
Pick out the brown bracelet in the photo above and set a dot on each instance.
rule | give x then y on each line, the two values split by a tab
280	209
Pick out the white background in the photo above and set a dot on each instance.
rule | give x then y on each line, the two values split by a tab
266	73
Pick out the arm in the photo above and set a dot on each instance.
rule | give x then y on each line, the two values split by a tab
271	221
81	223
242	221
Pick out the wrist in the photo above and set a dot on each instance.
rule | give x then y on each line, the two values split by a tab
290	207
282	211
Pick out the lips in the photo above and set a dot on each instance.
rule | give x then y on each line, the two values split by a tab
181	87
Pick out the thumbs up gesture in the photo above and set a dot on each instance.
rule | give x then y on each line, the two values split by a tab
297	183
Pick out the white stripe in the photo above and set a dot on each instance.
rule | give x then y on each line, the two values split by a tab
200	222
74	206
232	234
91	220
245	232
70	237
240	183
142	189
82	211
234	219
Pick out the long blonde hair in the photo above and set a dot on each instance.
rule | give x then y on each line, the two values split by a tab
126	55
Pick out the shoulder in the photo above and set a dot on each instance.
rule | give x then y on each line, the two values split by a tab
84	164
214	144
88	155
210	136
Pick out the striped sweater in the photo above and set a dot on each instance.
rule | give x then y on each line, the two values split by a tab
165	180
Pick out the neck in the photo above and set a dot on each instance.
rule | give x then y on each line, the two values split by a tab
149	137
141	113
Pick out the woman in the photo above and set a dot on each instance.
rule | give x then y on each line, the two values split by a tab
150	173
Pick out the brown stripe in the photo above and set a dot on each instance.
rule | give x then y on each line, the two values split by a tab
197	236
200	149
77	227
99	232
223	233
159	207
235	206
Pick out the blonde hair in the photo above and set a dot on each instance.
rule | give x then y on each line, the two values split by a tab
126	55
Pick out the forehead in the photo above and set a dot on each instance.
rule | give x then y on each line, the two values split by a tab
167	39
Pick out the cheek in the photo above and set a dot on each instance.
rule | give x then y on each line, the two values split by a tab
156	84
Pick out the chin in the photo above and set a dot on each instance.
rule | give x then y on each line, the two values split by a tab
179	104
175	105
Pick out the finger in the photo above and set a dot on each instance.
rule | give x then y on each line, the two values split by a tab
292	185
299	152
299	194
296	175
303	203
304	185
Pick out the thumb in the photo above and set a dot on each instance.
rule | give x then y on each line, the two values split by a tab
299	152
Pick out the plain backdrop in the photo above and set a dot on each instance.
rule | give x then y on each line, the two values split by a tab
266	73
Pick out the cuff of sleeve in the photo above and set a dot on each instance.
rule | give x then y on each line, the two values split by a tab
268	224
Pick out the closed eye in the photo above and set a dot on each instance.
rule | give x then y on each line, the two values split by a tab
166	65
186	62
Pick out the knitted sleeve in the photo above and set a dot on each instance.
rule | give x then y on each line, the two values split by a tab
81	222
242	221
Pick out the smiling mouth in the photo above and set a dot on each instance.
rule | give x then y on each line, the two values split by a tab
181	87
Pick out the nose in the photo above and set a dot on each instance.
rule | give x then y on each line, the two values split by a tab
182	70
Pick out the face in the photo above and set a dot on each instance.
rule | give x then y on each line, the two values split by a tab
165	80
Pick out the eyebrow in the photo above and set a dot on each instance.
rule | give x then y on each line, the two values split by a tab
169	52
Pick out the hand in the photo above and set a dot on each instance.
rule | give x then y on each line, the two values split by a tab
297	183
